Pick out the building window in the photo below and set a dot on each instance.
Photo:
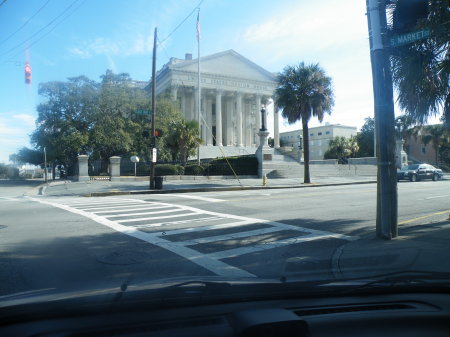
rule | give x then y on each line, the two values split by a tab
311	134
319	134
327	133
424	150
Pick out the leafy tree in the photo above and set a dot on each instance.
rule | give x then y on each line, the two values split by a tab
365	139
63	119
342	148
304	91
421	70
183	139
28	156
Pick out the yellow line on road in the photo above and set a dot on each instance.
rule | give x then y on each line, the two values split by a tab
423	217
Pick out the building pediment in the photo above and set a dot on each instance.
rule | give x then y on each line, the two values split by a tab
228	64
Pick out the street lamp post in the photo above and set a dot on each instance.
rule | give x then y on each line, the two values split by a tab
263	119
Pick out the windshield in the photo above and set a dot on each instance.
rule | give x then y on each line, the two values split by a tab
410	167
148	141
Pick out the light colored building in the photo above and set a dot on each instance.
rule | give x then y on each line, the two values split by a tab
233	89
319	138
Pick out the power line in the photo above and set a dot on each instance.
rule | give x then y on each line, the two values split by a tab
58	23
179	25
26	22
40	30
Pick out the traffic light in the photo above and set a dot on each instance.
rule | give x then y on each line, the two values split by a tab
407	13
27	73
145	134
158	133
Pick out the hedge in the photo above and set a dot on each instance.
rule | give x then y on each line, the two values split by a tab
194	170
168	170
243	165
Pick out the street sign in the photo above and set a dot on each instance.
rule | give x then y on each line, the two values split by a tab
144	112
399	40
154	155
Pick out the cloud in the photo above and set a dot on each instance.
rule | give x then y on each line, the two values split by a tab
29	120
137	45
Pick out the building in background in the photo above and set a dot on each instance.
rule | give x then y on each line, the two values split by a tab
319	138
233	89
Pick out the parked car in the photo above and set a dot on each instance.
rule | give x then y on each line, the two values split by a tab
418	172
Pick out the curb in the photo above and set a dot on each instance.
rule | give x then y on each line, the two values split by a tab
219	189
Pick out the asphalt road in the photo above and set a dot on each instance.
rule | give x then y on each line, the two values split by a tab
71	242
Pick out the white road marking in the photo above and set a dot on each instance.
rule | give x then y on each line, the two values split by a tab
140	208
9	199
437	196
196	197
142	213
159	217
211	264
211	261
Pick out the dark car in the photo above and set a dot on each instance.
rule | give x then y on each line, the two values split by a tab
418	172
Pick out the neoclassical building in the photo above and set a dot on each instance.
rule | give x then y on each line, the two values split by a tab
232	88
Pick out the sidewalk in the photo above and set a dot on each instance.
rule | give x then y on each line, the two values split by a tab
104	188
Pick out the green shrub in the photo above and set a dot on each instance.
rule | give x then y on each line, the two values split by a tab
243	165
195	170
168	170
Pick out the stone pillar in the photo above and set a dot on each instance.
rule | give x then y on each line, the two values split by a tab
401	158
239	119
83	171
218	118
229	121
208	109
258	115
195	115
114	168
174	92
184	111
264	153
276	129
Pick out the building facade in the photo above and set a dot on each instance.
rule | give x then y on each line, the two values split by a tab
232	89
319	138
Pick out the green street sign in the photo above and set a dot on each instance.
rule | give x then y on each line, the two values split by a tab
144	112
399	40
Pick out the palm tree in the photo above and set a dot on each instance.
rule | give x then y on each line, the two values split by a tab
436	135
304	91
421	70
182	139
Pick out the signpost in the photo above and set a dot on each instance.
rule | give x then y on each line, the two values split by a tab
399	40
135	160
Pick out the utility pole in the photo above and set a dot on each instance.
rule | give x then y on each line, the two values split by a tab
45	164
152	129
386	223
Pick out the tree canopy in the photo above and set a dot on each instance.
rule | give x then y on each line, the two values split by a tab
421	70
100	119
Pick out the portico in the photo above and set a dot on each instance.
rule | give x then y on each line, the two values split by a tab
232	91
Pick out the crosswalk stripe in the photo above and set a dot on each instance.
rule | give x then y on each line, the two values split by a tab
142	213
264	246
134	209
108	212
159	217
230	236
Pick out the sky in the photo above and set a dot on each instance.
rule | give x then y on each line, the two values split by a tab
67	38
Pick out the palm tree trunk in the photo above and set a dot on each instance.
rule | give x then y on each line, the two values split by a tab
307	178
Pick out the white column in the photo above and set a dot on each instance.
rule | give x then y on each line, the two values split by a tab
218	118
229	121
184	111
174	91
208	126
195	111
239	119
258	115
276	130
